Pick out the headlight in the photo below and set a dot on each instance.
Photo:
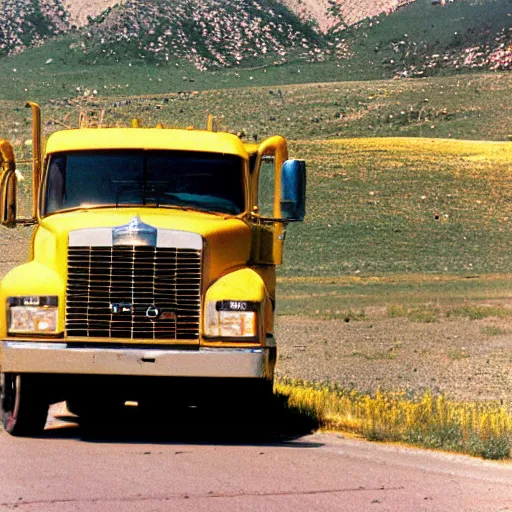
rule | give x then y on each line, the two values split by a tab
233	319
32	315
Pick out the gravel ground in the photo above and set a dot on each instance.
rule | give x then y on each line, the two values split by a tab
14	247
457	357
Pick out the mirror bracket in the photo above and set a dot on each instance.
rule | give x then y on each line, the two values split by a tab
8	185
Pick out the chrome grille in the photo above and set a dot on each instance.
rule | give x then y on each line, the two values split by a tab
141	278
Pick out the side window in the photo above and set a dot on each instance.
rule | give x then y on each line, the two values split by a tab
266	187
56	184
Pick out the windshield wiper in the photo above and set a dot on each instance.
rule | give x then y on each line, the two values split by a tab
123	186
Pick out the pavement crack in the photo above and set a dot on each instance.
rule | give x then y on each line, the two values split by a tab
303	492
187	496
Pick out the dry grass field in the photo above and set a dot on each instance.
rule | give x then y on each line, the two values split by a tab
401	274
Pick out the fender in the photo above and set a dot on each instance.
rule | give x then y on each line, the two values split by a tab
31	279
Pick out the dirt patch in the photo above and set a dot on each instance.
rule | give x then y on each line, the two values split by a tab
79	10
464	359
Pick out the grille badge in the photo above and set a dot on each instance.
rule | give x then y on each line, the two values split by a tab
121	308
153	312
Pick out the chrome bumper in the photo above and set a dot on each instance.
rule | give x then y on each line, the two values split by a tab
32	357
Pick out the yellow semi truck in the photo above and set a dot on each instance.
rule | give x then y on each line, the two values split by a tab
152	270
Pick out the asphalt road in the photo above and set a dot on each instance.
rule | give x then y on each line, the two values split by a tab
196	468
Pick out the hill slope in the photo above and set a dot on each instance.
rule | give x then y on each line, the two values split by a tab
425	38
208	33
216	33
410	38
316	10
80	10
327	13
29	23
26	23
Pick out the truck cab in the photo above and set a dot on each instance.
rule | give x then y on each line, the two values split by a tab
152	270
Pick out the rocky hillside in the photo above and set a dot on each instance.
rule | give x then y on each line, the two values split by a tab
435	37
80	11
29	23
328	13
210	34
322	12
399	38
26	23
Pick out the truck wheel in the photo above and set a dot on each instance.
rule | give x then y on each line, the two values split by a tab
23	407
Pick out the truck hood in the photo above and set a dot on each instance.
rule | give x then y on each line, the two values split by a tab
226	239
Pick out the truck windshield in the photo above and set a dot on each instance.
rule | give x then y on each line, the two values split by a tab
203	181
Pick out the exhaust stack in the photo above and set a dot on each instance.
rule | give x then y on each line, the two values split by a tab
36	153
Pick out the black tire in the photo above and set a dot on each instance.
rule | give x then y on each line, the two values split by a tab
24	408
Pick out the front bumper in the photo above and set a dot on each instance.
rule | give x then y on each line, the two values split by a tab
59	358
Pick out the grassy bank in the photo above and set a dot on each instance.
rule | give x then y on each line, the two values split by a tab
479	429
403	206
260	104
395	295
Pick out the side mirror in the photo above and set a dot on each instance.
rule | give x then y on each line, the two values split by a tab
8	185
293	190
